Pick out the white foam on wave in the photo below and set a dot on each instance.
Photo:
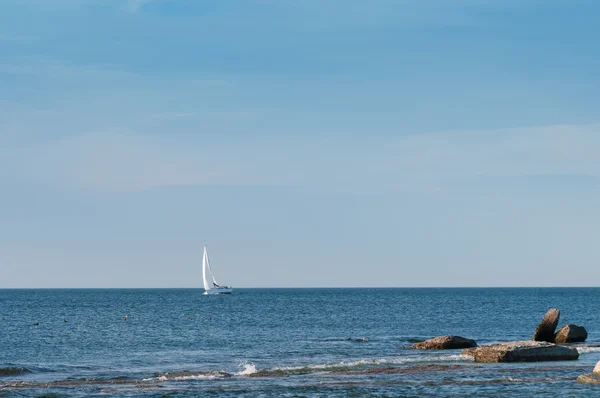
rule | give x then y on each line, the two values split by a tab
379	361
584	350
196	377
192	376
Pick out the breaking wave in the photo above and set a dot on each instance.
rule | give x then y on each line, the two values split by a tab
248	369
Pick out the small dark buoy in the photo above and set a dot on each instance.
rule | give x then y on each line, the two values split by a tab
36	324
209	318
66	320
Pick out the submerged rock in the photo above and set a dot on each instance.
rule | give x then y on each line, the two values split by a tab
13	371
545	330
523	351
591	378
570	334
357	339
444	343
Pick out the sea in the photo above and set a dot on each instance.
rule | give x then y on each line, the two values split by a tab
283	342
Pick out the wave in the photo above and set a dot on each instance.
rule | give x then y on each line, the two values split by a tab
13	371
364	339
189	375
585	350
504	380
350	366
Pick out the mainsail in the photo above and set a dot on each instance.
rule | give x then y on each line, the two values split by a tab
205	268
214	281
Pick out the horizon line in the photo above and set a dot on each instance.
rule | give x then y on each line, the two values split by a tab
304	287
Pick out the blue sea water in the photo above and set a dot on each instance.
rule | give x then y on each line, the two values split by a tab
282	342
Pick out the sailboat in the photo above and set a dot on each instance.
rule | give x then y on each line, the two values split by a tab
210	283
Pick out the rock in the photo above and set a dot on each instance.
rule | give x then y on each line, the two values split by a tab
589	378
545	330
570	334
444	343
523	351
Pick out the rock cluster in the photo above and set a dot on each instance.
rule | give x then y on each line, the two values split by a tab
567	334
546	345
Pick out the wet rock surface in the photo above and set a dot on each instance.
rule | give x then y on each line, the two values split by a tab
522	351
444	343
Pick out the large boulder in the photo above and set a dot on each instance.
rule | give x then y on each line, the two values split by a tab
591	378
545	330
570	334
444	343
522	351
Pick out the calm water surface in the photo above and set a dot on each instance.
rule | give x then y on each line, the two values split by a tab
281	342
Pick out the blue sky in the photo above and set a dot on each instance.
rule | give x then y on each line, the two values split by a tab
311	143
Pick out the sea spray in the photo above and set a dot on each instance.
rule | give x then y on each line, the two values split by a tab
248	368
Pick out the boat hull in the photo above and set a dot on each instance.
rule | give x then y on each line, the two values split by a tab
219	291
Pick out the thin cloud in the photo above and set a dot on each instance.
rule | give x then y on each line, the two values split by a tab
54	68
124	161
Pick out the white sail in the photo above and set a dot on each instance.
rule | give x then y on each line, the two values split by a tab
210	283
210	269
207	284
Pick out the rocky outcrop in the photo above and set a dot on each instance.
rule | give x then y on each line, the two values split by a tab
591	378
545	330
570	334
522	351
444	343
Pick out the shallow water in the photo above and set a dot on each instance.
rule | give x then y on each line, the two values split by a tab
281	342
